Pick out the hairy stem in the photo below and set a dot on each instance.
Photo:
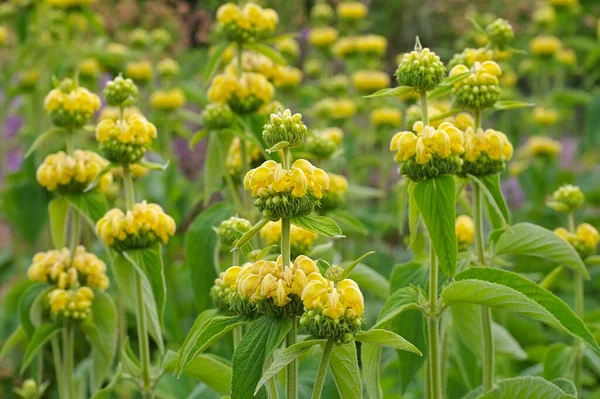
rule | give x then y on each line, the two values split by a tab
424	108
128	187
58	369
435	376
320	381
486	313
477	118
292	367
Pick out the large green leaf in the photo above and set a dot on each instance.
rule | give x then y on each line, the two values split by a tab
526	388
402	300
532	240
371	359
435	198
386	338
200	241
509	291
268	52
101	330
490	186
346	374
15	339
285	357
199	324
41	335
212	331
321	225
27	302
57	212
92	206
149	263
126	276
558	361
210	369
214	164
261	339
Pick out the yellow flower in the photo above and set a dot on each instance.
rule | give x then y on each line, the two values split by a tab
322	37
90	67
490	142
386	116
334	134
3	35
567	57
73	173
544	15
545	45
545	116
463	121
139	71
288	47
134	129
465	230
288	77
344	300
244	94
366	45
248	23
167	100
139	227
335	108
404	144
543	146
112	113
370	81
71	107
271	234
338	184
588	234
585	239
352	10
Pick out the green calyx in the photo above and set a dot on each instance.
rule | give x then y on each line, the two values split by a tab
268	308
139	240
228	231
435	167
122	153
277	206
482	166
69	119
340	330
476	96
217	116
120	92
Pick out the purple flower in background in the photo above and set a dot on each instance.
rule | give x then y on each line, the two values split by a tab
191	162
14	159
515	196
568	152
12	125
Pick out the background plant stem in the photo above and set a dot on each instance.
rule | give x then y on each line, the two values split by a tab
579	310
435	377
58	369
320	381
68	354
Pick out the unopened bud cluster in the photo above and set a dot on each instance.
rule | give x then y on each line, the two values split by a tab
284	127
120	92
324	143
421	69
217	116
481	88
500	33
567	198
229	230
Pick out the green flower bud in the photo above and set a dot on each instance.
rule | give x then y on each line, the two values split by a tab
119	92
220	294
139	38
122	153
500	32
28	390
161	37
567	198
420	69
341	330
284	127
435	167
285	205
217	116
168	68
228	231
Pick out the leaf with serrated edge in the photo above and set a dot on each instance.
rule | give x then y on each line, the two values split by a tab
371	359
386	338
199	324
509	291
525	388
532	240
393	92
403	299
346	374
285	357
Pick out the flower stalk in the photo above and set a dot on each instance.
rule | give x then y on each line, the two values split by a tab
68	336
320	381
435	376
579	310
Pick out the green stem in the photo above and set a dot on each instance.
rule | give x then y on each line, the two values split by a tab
571	222
68	353
143	339
58	369
477	118
128	186
320	381
70	146
435	380
285	242
486	313
240	69
424	108
292	367
579	310
76	230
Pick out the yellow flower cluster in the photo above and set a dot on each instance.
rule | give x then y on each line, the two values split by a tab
71	108
567	57
386	116
71	304
545	45
288	77
247	23
67	271
73	173
352	10
366	45
167	100
335	108
335	134
302	178
540	146
442	142
246	94
299	237
288	47
137	170
322	37
90	68
481	88
134	129
370	81
112	113
545	116
334	300
465	231
233	162
490	142
139	227
139	71
69	3
338	184
470	56
585	239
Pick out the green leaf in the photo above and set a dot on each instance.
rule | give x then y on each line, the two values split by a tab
369	280
371	361
386	338
414	215
348	221
149	263
129	361
348	269
199	135
105	393
28	302
98	177
490	186
210	369
279	146
435	198
323	266
214	60
405	298
285	357
450	80
199	324
42	138
214	164
346	374
247	236
509	291
506	344
439	117
439	92
525	388
268	52
321	225
101	330
41	335
200	242
567	386
261	339
15	339
558	361
126	276
511	104
161	167
392	92
532	240
212	331
57	212
92	206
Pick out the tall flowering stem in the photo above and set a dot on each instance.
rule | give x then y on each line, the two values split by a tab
579	309
320	381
